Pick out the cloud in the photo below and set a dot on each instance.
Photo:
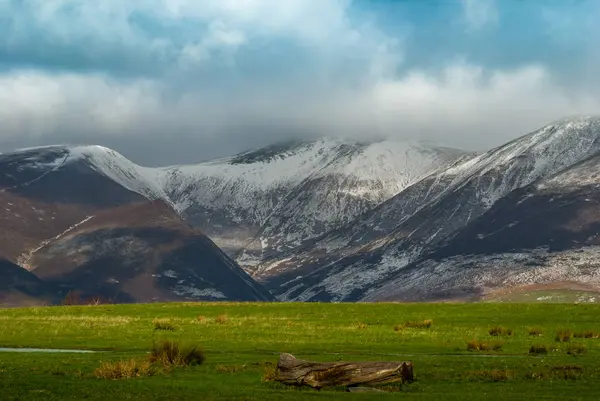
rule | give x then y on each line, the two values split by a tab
179	81
480	13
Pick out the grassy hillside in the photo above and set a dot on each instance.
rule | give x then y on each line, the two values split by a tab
242	342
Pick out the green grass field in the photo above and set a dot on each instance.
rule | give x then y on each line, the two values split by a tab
242	344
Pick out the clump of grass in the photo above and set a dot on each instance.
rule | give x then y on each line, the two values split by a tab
164	325
535	331
535	375
270	374
417	324
563	335
221	319
125	370
567	372
201	319
500	331
230	368
538	349
476	345
362	326
495	375
576	349
170	353
587	334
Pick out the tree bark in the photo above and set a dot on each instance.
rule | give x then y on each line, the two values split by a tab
297	372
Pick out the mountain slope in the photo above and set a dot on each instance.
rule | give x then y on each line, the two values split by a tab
468	190
260	204
55	199
545	233
143	252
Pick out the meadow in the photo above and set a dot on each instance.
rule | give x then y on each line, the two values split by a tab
503	351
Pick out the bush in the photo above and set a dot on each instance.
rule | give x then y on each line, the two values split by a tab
563	335
164	325
475	345
170	353
576	349
422	324
538	349
500	331
125	370
535	331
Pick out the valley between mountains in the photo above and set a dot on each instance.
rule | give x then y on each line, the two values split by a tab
325	220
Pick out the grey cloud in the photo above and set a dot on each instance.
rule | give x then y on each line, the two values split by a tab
237	75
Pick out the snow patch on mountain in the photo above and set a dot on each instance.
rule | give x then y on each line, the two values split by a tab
478	274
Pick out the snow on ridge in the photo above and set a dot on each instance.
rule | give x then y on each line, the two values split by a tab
540	154
145	181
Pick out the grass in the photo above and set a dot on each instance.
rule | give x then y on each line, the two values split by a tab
536	331
496	375
171	353
476	345
128	369
538	349
587	334
240	354
576	349
415	324
563	335
500	331
164	325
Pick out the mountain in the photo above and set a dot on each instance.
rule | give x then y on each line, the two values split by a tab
143	252
19	287
86	219
261	204
448	209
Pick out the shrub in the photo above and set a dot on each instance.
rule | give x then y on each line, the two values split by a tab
221	319
170	353
576	349
563	335
475	345
535	331
538	349
125	370
500	331
422	324
164	325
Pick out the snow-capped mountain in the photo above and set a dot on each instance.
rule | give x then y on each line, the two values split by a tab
339	220
72	218
260	204
448	201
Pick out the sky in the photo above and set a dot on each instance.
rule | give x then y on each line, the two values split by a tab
178	81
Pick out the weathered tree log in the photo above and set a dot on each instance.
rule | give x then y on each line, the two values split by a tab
297	372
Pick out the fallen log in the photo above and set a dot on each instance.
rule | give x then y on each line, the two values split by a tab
297	372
